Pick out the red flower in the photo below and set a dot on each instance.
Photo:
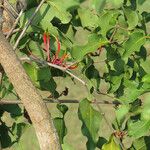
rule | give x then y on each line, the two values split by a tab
46	39
55	60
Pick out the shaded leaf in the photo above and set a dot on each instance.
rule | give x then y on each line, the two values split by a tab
59	11
91	122
88	18
94	42
142	143
132	18
142	128
134	43
61	128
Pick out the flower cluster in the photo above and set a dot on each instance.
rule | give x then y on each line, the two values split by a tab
55	59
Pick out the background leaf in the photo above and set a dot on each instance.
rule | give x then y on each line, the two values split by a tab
91	122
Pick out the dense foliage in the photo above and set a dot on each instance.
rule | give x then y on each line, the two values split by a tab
74	34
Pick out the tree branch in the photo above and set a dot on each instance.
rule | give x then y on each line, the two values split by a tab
37	110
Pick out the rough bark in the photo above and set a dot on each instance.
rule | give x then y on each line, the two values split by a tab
33	102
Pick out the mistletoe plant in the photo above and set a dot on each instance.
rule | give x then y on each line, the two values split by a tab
106	42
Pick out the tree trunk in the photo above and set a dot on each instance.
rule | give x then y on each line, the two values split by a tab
33	102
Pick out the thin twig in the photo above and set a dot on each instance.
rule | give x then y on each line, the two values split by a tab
12	8
15	24
54	66
27	24
14	31
46	100
108	95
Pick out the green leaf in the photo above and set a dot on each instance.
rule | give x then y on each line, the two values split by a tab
111	145
107	20
47	85
36	49
119	65
138	129
88	18
142	143
61	128
129	96
59	11
36	73
45	14
134	43
132	18
116	3
91	120
14	110
98	5
146	78
94	42
121	113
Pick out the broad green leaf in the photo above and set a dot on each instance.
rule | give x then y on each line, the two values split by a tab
129	96
81	36
91	120
119	65
59	11
13	109
36	73
98	5
88	18
47	26
61	128
45	15
134	43
115	82
142	143
116	3
94	42
31	71
49	85
121	113
146	78
139	128
111	145
132	18
107	21
36	49
68	5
